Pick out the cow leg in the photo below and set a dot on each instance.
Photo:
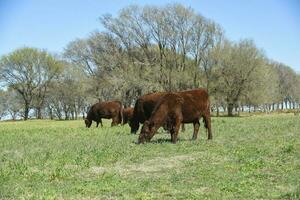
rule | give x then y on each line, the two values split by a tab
100	122
114	121
182	127
124	121
175	130
173	139
97	124
207	122
196	129
134	126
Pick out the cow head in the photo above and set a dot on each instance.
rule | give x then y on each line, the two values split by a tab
134	125
88	123
146	132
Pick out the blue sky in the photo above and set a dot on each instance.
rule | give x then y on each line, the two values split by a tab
274	25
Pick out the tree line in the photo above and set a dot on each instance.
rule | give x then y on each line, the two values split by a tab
142	50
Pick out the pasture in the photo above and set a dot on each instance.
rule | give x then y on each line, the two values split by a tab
255	157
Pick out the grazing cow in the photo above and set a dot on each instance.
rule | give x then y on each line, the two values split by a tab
143	108
127	115
107	110
175	108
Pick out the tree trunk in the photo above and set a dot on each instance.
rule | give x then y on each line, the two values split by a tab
230	109
39	113
286	104
294	105
26	111
51	113
66	115
73	115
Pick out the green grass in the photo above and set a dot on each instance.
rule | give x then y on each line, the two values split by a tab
254	157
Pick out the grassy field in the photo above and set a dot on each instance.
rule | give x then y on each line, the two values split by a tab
254	157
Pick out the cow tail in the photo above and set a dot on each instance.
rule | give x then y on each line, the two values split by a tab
205	122
207	113
121	113
135	120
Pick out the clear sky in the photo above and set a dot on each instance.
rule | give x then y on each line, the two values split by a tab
274	25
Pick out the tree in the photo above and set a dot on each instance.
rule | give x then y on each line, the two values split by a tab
173	41
13	103
237	66
29	71
79	53
297	97
287	84
3	108
68	94
264	89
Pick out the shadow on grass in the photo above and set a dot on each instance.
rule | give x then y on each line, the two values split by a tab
164	141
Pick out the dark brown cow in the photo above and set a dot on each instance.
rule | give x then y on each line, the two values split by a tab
175	108
143	108
127	115
107	110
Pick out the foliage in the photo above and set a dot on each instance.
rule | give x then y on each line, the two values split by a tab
29	71
148	49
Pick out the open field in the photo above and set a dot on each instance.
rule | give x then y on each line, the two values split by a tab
254	157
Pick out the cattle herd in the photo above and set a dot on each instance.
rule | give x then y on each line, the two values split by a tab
160	109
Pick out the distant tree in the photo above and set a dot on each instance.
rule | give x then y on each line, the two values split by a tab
3	108
79	53
68	94
172	41
297	96
287	84
264	89
13	103
151	48
237	66
29	72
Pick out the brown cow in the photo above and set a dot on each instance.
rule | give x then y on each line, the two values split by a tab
143	108
127	115
107	110
175	108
